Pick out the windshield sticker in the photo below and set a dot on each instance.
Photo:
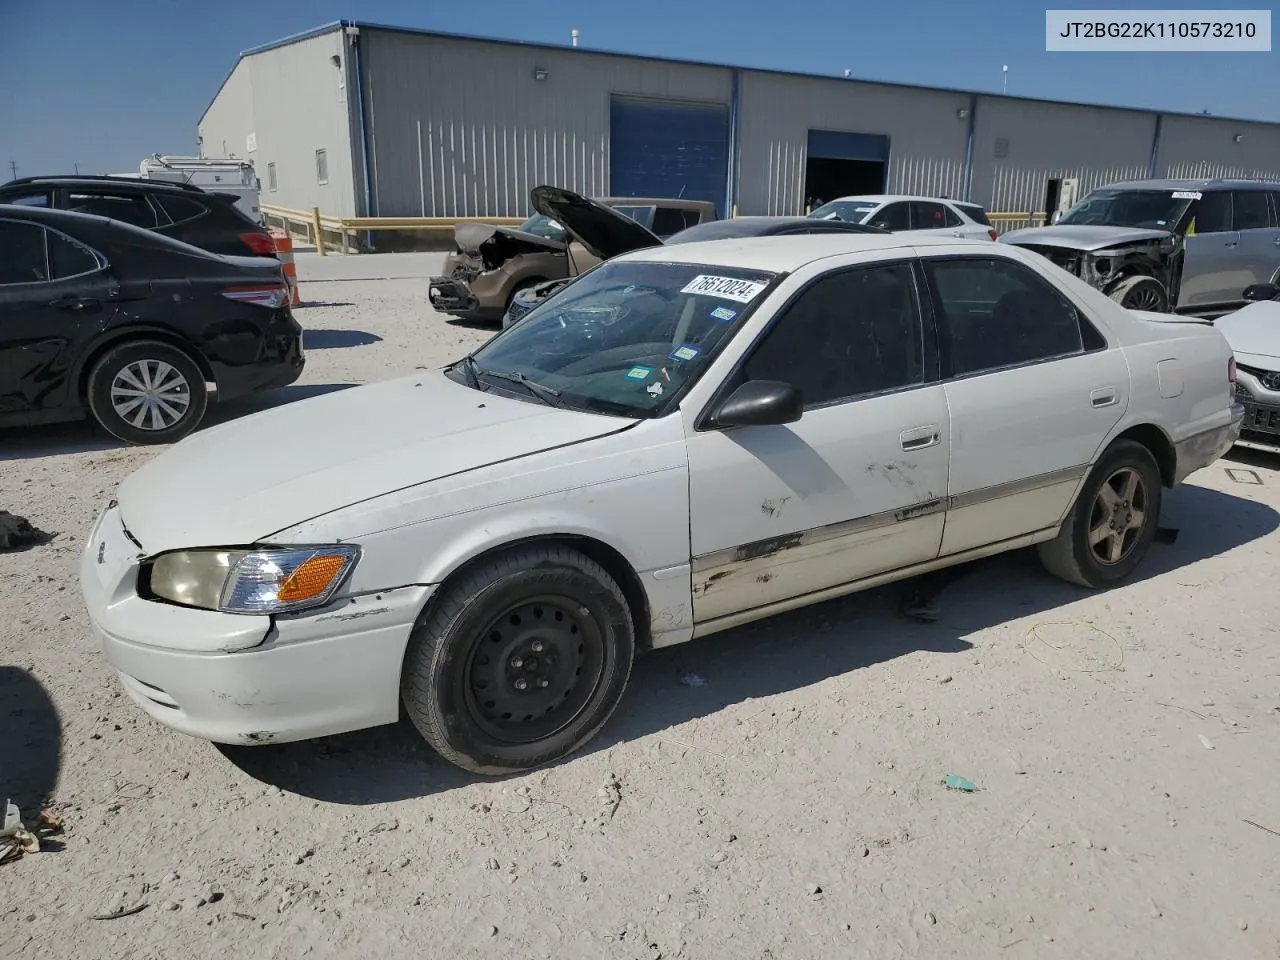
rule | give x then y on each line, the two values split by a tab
727	288
686	352
639	373
654	389
1186	195
723	314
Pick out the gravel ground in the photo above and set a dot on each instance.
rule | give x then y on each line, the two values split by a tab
789	807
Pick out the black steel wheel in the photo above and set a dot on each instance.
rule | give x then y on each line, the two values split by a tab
1113	522
519	661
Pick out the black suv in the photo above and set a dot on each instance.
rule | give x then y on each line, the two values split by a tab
210	221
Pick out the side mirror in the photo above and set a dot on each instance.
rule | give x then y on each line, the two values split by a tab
1261	291
760	403
1057	215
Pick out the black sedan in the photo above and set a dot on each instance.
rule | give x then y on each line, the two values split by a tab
103	318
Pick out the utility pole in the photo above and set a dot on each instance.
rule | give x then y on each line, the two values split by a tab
77	166
13	168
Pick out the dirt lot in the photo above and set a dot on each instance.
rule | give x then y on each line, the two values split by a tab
790	807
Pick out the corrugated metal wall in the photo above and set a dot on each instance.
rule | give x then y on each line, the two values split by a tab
1206	147
926	137
487	131
1018	146
229	120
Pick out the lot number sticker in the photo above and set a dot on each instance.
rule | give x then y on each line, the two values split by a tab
1186	195
727	288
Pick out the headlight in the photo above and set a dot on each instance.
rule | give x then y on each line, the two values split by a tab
269	580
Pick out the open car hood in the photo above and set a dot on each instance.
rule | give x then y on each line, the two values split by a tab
1253	331
603	231
469	237
1081	237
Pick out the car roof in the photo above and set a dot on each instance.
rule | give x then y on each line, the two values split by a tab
762	227
105	180
653	202
1203	183
785	254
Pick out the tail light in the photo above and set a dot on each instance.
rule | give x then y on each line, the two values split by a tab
260	243
1231	370
273	296
994	235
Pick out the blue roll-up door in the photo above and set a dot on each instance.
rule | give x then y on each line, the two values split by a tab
838	145
662	148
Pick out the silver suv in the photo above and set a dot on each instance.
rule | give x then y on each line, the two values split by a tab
1168	246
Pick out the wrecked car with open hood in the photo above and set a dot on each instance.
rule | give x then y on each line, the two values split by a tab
491	264
1176	246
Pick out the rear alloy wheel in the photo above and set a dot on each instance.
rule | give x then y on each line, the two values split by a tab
520	661
1113	521
1141	293
147	392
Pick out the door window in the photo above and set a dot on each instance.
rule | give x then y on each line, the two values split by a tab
668	220
38	198
1252	212
999	313
930	216
22	253
1211	213
848	334
69	258
126	207
894	216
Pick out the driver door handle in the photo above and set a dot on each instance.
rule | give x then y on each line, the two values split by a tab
921	438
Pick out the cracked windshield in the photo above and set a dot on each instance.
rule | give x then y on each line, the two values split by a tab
624	339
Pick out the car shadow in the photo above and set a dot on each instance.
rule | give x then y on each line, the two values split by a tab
30	744
492	326
783	653
337	339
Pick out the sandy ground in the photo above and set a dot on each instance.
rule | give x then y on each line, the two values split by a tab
791	807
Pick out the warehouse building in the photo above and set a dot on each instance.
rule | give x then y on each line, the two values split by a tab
366	120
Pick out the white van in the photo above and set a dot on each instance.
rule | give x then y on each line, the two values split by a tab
214	174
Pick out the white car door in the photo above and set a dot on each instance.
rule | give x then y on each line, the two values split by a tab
855	487
932	219
1033	388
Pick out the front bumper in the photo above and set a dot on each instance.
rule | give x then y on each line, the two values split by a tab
243	679
452	296
1201	449
1261	426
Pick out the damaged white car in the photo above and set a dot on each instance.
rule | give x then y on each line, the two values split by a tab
688	438
1253	332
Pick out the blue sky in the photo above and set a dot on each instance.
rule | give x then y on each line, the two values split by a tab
103	84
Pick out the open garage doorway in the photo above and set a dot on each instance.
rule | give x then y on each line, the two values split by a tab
843	164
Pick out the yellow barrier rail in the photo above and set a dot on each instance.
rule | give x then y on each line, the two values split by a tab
314	228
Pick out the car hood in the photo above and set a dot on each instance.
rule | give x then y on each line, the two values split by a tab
469	237
1253	331
1081	237
602	230
242	481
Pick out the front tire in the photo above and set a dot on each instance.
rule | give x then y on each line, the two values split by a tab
1113	522
147	392
1141	293
520	661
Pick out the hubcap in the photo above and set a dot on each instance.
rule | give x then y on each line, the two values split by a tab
534	669
1118	517
150	394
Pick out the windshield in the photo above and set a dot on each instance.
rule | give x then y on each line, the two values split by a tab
541	225
625	339
850	211
1148	209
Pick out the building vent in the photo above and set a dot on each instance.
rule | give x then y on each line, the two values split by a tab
1002	148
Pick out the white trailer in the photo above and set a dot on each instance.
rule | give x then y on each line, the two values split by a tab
214	174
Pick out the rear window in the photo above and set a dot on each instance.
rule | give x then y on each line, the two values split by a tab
976	214
180	209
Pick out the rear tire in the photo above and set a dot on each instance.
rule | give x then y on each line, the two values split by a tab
1112	523
1141	293
147	392
520	661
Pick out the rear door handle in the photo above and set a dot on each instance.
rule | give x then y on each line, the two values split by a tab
919	438
74	303
1104	397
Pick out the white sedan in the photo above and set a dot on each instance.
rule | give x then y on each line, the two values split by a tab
686	439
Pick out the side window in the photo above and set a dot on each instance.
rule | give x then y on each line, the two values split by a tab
692	218
22	253
928	216
952	219
271	177
895	216
1251	210
1212	213
999	313
127	207
848	334
38	198
1275	207
322	166
180	209
667	220
69	258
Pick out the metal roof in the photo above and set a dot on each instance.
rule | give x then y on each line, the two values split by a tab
527	44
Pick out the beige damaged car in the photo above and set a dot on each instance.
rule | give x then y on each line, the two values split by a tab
490	264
